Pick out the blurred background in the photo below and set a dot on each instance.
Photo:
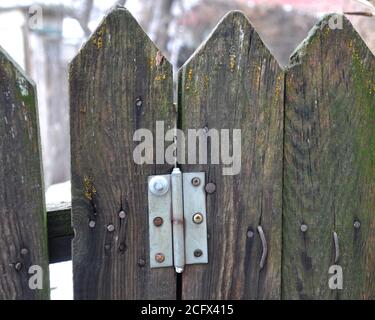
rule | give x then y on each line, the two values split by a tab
44	51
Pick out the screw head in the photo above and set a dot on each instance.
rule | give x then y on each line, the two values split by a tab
158	185
210	187
122	214
304	227
196	181
24	251
357	224
92	223
159	257
158	221
198	218
198	253
111	228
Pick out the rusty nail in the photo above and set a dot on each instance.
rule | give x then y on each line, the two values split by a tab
92	224
357	224
18	266
196	181
111	228
198	253
141	262
210	188
122	214
158	221
303	228
197	218
159	257
24	251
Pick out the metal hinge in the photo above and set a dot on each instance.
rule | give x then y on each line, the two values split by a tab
177	220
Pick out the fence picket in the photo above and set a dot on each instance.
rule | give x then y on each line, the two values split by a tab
23	234
329	166
233	82
119	82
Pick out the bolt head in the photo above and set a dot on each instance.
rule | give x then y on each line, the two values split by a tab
210	187
304	227
196	181
158	221
357	224
159	257
92	224
198	218
111	228
122	214
198	253
158	185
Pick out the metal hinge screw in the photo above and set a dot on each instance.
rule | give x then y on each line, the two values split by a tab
198	253
158	221
196	181
198	218
159	257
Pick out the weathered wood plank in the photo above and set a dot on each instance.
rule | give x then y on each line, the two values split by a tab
23	236
233	82
329	180
119	82
60	232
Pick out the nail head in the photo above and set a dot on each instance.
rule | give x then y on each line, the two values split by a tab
18	266
122	214
210	188
303	228
92	223
24	251
111	228
357	224
141	262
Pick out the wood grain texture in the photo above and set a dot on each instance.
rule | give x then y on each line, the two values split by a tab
119	82
22	209
233	82
329	180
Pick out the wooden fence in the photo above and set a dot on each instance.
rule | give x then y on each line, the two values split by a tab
307	175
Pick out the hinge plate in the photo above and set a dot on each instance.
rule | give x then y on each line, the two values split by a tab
192	248
159	235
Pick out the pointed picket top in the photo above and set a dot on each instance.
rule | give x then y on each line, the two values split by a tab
234	28
23	234
119	21
329	163
233	82
331	32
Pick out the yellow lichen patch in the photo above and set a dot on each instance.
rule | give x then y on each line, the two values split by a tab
279	82
97	39
151	63
232	62
160	77
90	189
206	81
189	78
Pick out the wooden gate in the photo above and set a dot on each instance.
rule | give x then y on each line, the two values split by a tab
301	202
